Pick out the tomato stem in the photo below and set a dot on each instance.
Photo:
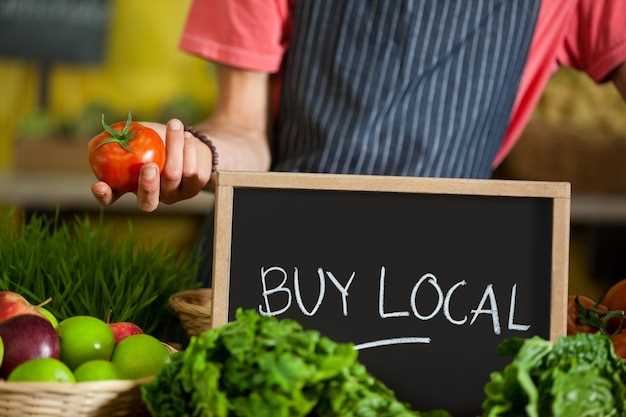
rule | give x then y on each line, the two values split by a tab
598	319
121	137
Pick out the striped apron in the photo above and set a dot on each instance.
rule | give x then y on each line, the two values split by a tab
398	87
403	87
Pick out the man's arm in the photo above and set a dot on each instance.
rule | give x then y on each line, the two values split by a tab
619	78
238	130
239	126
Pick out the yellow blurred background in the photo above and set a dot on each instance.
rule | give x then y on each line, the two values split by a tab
142	70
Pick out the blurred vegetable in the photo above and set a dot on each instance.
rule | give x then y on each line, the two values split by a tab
88	123
42	125
37	125
184	108
615	298
86	272
264	367
578	376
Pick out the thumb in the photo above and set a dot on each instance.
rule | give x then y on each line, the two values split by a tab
148	190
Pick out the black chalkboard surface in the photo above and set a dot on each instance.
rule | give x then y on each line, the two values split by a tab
425	284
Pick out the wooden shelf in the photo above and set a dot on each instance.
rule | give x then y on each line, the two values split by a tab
599	209
49	191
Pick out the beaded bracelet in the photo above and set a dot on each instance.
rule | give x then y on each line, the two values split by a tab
205	139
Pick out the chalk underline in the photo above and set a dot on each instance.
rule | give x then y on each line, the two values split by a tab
395	341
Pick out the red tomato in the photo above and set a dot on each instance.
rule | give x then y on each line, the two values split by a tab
615	299
574	324
117	154
619	344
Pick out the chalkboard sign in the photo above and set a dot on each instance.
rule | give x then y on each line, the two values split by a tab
424	276
54	30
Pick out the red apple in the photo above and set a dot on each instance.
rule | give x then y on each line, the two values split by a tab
27	337
13	304
123	329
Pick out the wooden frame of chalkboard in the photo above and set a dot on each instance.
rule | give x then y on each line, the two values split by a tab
559	193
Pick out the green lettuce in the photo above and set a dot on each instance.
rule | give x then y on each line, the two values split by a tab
577	376
263	367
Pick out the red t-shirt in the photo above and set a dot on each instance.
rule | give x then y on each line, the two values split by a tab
589	35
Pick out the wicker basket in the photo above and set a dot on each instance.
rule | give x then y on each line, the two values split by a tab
85	399
193	307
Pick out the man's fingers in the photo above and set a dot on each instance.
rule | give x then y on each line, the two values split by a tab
204	159
190	160
103	193
149	183
174	144
196	167
189	184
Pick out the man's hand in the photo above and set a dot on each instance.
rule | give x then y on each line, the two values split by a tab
238	129
187	171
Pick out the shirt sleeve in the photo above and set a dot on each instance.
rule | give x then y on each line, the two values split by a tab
595	41
249	34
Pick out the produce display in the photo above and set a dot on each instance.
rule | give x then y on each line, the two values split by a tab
577	376
88	270
583	374
264	367
256	366
117	154
606	316
260	366
80	348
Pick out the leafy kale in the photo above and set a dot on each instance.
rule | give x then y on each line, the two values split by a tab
263	367
579	376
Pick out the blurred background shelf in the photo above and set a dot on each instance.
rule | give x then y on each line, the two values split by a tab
600	209
49	191
72	192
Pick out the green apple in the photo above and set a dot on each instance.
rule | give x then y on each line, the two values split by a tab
41	370
1	351
139	356
83	339
48	316
97	370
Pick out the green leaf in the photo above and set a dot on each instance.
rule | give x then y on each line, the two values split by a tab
510	347
579	376
583	393
108	128
263	367
122	137
129	120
